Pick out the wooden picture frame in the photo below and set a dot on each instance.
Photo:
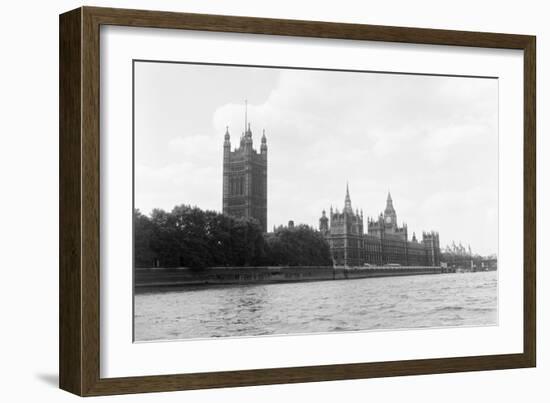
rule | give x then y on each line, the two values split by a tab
79	280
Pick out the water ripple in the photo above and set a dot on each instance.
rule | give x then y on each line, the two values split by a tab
324	306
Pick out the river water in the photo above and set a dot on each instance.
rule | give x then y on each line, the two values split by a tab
440	300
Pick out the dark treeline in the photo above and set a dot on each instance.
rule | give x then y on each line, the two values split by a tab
298	246
190	237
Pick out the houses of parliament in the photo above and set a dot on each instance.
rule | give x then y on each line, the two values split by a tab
383	242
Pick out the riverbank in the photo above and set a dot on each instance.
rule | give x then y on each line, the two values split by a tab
396	302
174	277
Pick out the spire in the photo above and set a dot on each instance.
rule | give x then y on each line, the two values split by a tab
245	114
389	201
347	202
264	139
226	137
247	130
389	206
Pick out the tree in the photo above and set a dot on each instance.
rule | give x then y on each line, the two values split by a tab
190	232
298	246
164	241
144	230
190	237
218	232
247	242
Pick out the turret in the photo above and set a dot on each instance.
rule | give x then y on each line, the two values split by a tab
226	144
323	223
431	243
227	137
248	140
263	147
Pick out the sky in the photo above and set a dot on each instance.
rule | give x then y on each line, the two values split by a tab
432	141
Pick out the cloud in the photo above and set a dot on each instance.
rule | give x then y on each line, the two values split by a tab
432	141
181	183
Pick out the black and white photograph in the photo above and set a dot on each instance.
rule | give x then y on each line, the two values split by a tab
242	201
271	200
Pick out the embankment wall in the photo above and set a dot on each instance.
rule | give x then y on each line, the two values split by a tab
173	277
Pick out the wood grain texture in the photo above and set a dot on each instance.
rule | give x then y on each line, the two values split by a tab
530	202
80	196
316	29
70	273
90	202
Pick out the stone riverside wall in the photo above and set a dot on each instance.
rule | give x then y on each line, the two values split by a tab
161	277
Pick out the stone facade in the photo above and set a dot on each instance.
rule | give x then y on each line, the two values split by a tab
245	178
384	243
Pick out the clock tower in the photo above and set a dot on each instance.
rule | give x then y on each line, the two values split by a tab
384	243
390	217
